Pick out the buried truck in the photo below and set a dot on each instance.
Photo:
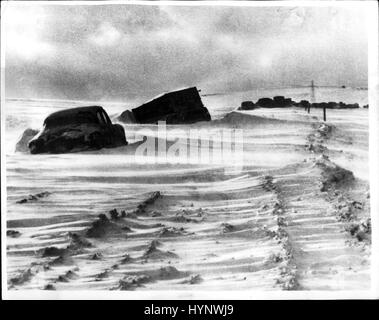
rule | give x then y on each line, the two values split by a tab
175	107
77	129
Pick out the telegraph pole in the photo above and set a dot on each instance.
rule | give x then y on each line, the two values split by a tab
313	92
312	95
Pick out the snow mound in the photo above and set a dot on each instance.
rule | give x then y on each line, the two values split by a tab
242	119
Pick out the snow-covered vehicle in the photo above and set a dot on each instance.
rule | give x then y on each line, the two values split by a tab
77	129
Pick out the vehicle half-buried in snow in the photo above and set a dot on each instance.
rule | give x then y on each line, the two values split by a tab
175	107
78	129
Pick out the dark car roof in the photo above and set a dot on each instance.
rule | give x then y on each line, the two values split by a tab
186	92
74	116
167	103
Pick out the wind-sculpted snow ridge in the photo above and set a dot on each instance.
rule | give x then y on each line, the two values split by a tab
288	268
240	119
333	179
316	139
295	218
34	197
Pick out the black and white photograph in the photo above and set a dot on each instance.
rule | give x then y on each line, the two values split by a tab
189	149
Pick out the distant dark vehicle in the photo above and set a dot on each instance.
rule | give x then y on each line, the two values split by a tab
282	102
304	104
247	105
334	105
176	107
265	103
78	129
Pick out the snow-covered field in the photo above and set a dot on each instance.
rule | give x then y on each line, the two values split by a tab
279	224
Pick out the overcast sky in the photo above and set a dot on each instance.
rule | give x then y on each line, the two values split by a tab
116	52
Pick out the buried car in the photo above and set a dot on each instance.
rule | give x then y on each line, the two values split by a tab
176	107
78	129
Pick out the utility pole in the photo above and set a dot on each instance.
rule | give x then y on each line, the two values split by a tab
312	95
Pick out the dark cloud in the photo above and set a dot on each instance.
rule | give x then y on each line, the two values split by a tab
122	51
